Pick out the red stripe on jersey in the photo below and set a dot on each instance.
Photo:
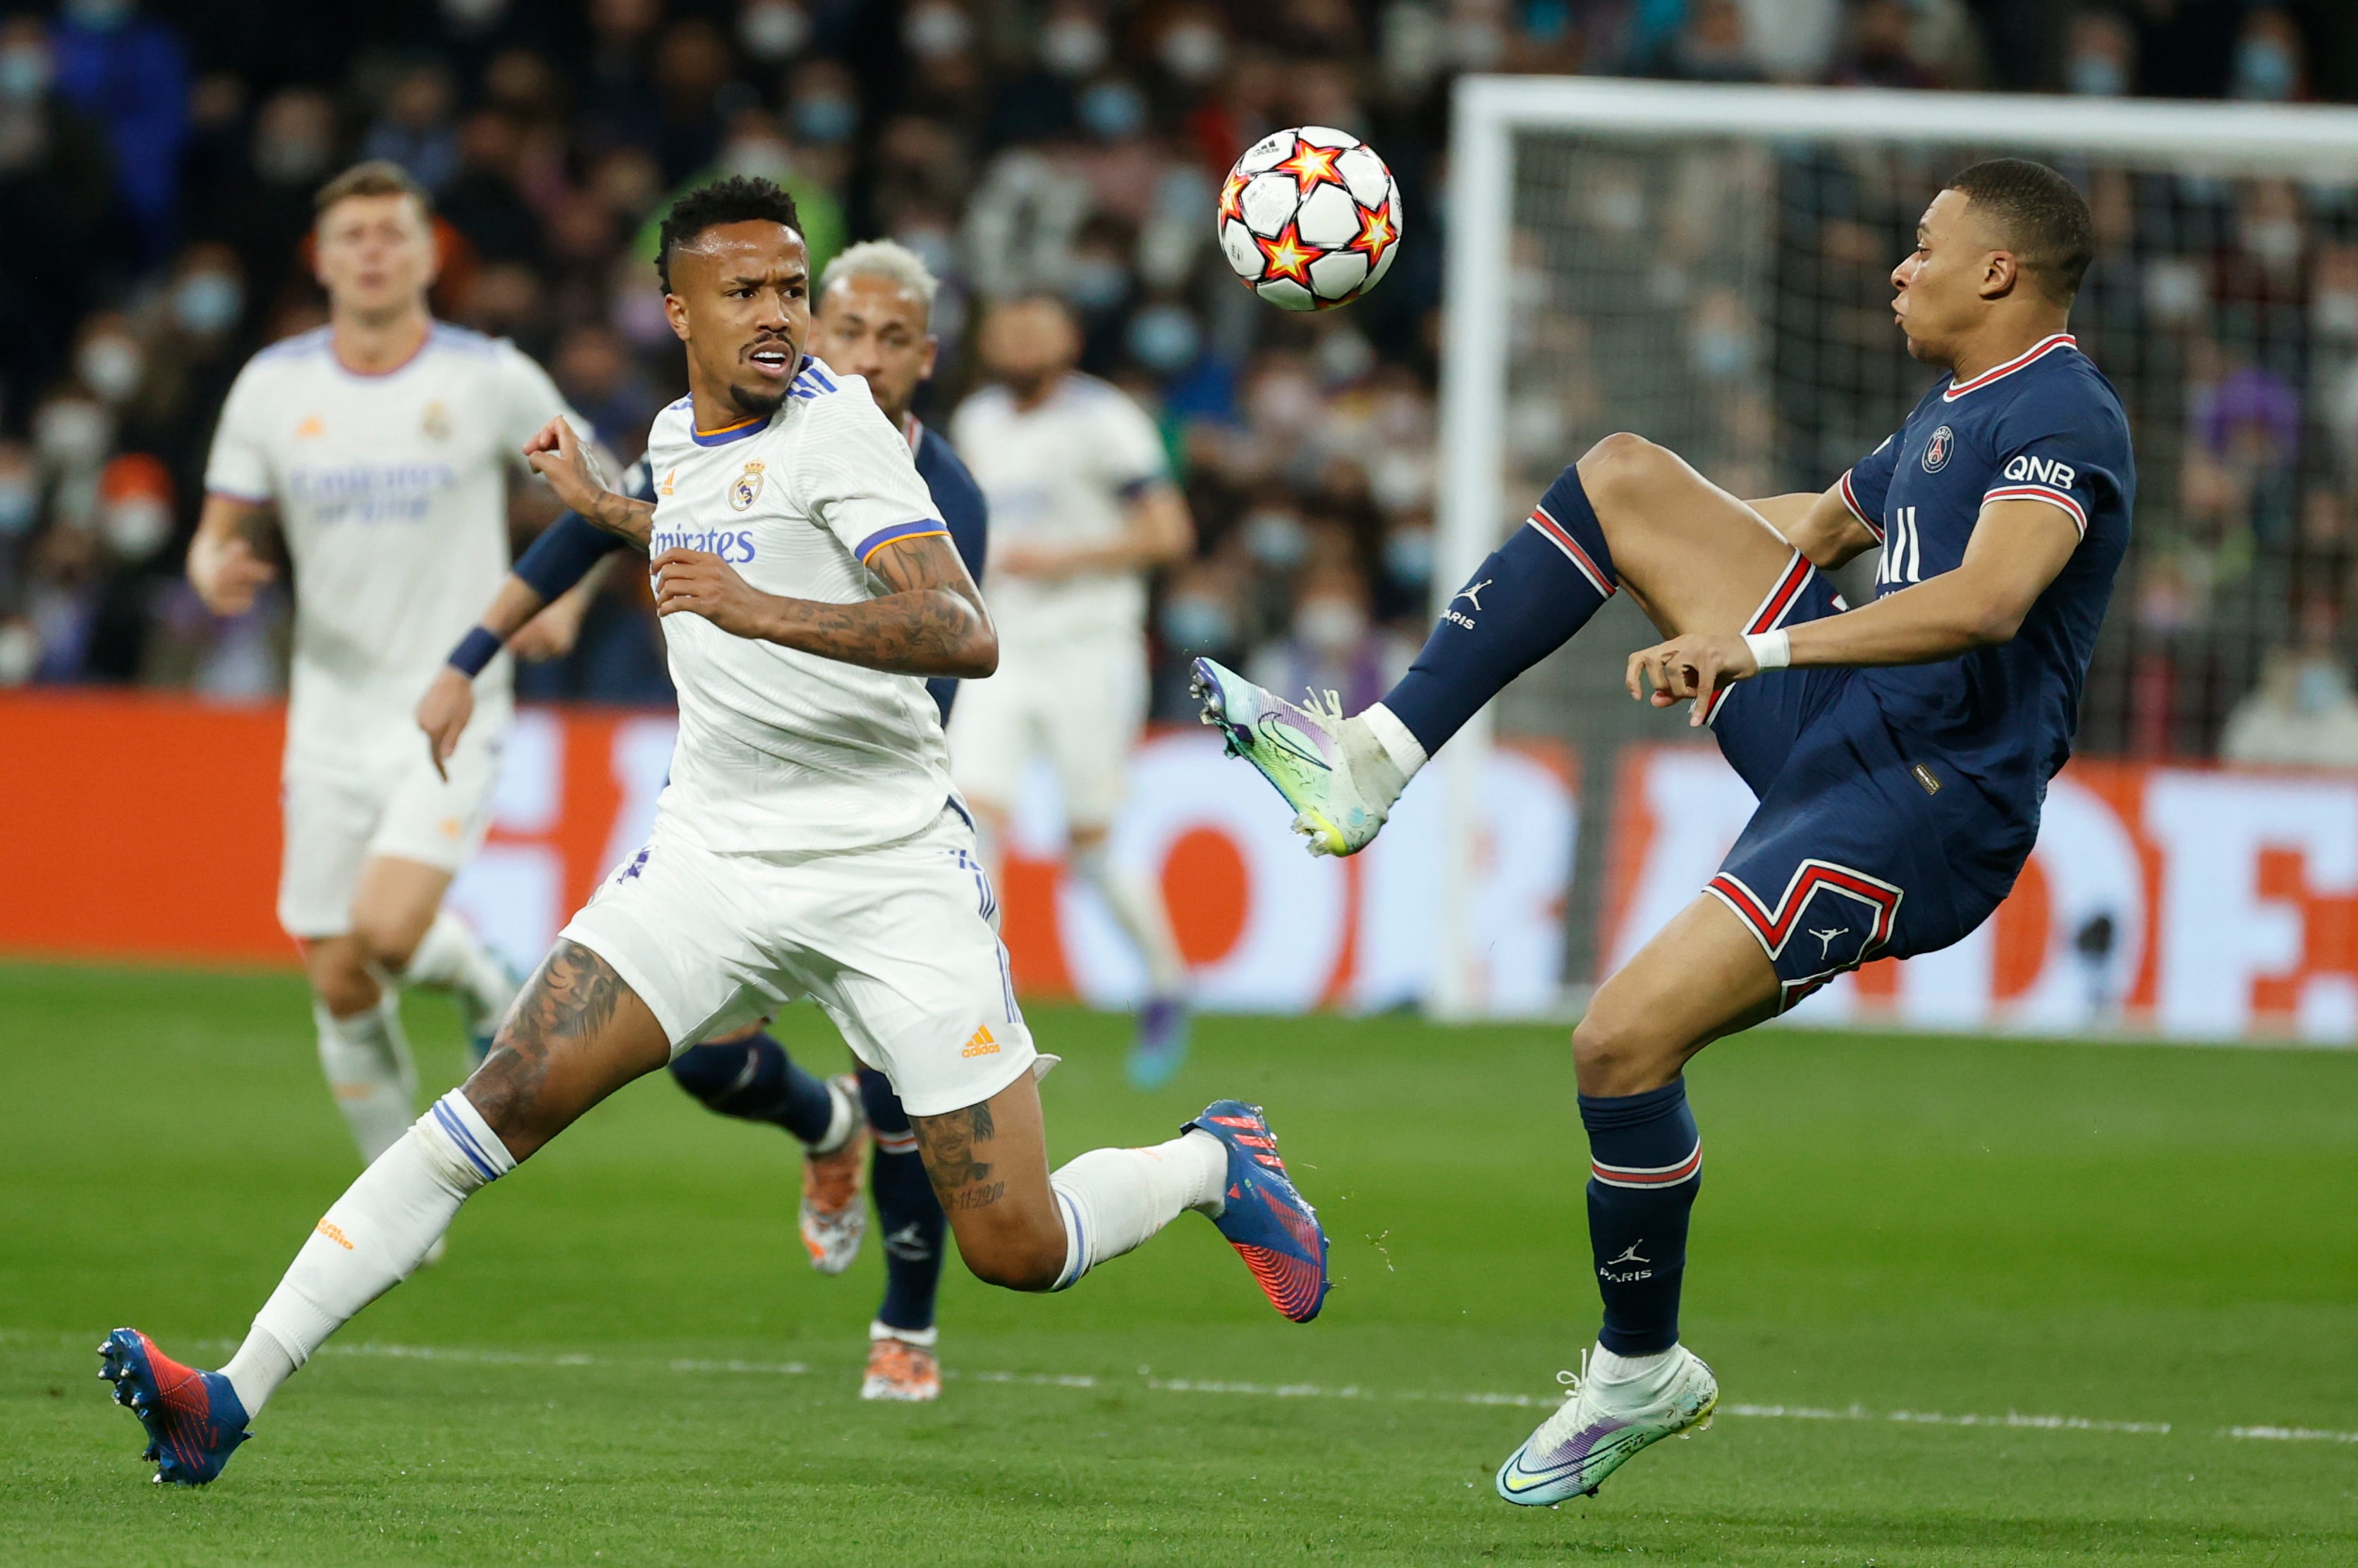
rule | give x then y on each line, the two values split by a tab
2040	492
1850	499
2037	352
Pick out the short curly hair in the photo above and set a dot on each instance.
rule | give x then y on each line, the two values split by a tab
739	199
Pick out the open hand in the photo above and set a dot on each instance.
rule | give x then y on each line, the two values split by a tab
1689	668
226	573
443	713
703	584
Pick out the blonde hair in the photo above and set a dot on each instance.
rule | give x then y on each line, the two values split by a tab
887	259
378	177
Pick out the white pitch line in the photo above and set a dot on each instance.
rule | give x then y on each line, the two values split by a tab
2011	1419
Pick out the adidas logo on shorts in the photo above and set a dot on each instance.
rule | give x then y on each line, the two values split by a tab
981	1043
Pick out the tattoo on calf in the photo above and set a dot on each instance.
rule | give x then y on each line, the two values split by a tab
960	1180
572	997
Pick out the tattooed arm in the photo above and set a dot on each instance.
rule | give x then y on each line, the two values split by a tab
556	454
948	1143
931	623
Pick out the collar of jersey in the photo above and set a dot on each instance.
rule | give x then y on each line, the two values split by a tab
2036	350
727	433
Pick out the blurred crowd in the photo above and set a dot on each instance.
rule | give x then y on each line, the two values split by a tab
157	159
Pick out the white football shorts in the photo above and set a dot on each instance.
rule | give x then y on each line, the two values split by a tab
335	825
898	944
1083	704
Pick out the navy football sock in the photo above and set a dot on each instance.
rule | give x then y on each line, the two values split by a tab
1523	604
905	1206
1645	1163
755	1080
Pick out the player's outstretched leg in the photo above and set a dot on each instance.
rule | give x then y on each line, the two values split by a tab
1704	976
749	1075
1020	1227
576	1035
904	1357
1629	514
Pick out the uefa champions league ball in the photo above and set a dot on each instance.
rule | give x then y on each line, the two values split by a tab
1310	218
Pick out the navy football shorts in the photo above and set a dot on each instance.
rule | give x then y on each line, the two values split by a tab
1862	847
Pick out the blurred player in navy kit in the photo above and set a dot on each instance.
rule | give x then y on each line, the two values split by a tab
1900	750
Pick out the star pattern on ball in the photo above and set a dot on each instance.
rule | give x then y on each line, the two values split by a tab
1375	235
1286	256
1232	199
1311	166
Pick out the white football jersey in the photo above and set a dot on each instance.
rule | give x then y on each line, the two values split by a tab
391	491
781	751
1060	475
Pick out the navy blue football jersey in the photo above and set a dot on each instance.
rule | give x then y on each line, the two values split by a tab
959	501
2044	426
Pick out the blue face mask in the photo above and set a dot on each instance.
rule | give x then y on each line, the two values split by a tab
2263	71
1096	283
2317	689
1720	353
20	504
1408	556
1276	539
98	15
1195	621
826	121
2097	76
24	73
1163	338
1112	111
207	303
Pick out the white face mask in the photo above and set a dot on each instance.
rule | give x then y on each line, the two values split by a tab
772	30
1073	46
934	30
110	366
73	433
1331	626
135	526
20	653
2275	240
1194	51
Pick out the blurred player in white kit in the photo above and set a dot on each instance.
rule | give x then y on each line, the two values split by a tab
383	443
1082	508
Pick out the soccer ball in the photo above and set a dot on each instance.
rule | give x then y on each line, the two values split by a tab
1310	218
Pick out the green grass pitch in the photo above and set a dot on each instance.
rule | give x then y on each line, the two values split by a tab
625	1359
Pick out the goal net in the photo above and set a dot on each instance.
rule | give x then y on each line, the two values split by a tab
1707	265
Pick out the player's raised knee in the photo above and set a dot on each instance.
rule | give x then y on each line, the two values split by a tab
1614	1053
1622	463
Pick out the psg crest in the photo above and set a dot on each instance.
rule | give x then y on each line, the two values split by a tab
747	490
1936	450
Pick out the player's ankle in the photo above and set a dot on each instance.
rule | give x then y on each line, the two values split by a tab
1384	755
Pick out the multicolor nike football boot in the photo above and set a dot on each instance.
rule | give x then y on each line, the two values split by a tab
1576	1448
1301	750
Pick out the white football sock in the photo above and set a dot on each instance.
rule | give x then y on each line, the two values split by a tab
371	1240
451	957
925	1337
1392	762
366	1059
1136	907
841	1121
1113	1199
1628	1382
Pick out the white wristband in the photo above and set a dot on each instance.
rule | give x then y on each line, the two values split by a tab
1770	650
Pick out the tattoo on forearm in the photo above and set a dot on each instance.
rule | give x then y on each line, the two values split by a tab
926	632
633	520
572	998
961	1181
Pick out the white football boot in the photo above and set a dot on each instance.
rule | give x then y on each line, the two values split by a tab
1574	1451
1333	771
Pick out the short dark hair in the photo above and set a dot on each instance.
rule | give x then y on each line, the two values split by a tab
739	199
377	176
2041	217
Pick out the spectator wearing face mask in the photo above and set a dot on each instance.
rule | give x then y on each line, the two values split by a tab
1331	643
2302	714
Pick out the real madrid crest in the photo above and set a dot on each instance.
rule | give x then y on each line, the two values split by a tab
436	421
747	488
1937	450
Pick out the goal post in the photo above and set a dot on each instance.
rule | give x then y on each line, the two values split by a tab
1698	262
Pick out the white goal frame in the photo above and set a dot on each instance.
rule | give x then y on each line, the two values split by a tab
1487	112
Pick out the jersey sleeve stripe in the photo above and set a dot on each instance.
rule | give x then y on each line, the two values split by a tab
925	528
1850	499
237	495
1561	537
2077	513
